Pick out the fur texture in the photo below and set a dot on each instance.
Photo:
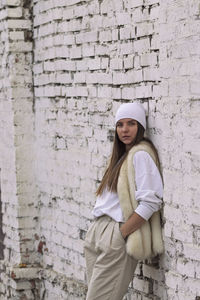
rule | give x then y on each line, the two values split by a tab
147	241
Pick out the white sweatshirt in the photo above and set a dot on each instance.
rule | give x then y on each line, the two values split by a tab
149	191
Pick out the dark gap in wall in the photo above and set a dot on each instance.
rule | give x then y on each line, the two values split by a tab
82	234
27	3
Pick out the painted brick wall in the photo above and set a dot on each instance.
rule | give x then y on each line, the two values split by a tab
18	185
89	57
65	68
180	75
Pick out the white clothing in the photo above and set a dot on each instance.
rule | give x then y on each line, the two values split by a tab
148	193
133	111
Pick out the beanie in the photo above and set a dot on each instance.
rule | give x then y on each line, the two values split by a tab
133	111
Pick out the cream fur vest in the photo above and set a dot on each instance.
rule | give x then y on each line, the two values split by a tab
147	241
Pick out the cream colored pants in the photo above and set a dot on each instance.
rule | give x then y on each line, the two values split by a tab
109	268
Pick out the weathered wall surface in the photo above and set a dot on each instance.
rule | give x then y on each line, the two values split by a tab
180	93
18	189
89	56
85	58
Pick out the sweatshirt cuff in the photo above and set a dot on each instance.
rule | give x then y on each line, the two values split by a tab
144	212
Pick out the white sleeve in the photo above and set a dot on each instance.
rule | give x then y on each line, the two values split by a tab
149	186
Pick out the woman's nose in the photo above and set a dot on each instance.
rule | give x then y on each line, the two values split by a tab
125	128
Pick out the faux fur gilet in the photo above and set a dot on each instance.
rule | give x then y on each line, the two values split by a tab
145	242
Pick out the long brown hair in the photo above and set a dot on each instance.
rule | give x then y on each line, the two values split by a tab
119	154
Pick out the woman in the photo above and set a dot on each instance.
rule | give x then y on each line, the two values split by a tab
126	227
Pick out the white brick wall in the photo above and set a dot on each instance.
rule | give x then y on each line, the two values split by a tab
18	185
99	65
87	58
180	158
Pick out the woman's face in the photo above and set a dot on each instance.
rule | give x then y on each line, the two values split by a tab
127	131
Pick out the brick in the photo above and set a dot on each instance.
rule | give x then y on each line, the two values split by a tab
155	42
116	93
154	12
142	46
49	66
125	33
145	29
104	92
106	22
99	78
108	6
80	11
81	65
17	35
115	35
128	93
41	80
136	3
137	15
126	48
143	91
57	40
19	24
141	285
46	29
152	272
149	59
51	91
63	78
80	77
69	39
101	50
123	18
104	63
128	62
86	37
151	74
13	2
58	52
105	36
68	13
94	64
76	91
76	52
88	50
15	12
65	65
116	64
128	77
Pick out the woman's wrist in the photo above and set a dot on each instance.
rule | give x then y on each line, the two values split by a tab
132	224
123	232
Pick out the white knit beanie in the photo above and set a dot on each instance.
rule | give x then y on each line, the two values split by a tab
133	111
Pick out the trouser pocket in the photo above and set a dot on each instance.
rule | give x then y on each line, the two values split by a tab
119	225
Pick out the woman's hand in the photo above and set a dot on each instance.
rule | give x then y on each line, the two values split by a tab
123	234
132	224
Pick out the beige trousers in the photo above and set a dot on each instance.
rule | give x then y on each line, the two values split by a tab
109	268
